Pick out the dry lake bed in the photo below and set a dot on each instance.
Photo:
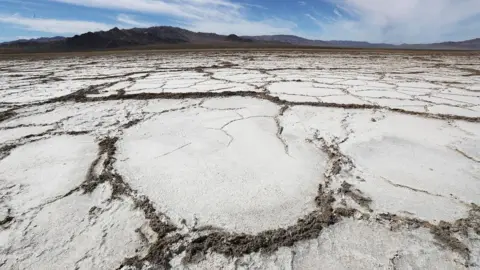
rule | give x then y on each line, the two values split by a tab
240	160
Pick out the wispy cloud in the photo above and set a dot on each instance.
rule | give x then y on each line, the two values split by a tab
220	16
53	25
131	21
315	20
403	21
337	13
187	9
255	6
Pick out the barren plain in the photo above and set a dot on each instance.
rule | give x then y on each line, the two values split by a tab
240	160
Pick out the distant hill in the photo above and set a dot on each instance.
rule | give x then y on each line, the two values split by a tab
359	44
467	44
123	38
295	40
472	44
34	40
167	35
290	39
115	38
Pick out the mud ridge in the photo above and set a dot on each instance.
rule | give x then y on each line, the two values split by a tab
80	96
114	76
337	161
5	115
236	245
280	129
444	232
356	195
6	149
472	71
472	222
159	251
6	220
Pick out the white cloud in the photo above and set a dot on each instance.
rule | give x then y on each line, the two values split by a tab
131	21
396	21
302	3
53	25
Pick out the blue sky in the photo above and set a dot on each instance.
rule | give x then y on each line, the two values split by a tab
393	21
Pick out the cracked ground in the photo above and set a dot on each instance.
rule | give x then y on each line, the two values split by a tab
240	160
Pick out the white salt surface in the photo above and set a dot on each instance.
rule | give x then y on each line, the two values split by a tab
240	155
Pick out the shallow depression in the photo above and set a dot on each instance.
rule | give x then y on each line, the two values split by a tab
238	178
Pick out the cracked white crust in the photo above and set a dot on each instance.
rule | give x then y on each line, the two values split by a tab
406	127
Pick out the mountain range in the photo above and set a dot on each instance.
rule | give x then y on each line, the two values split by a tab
174	37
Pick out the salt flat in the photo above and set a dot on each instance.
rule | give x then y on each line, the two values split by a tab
240	160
